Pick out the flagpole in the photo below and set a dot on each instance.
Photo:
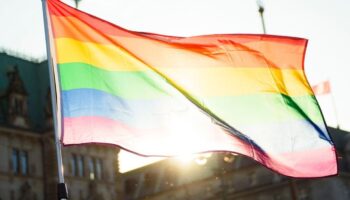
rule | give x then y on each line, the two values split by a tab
261	11
62	192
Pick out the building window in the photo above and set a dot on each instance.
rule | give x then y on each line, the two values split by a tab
98	163
23	157
80	162
18	106
19	162
91	169
77	165
95	168
73	165
15	164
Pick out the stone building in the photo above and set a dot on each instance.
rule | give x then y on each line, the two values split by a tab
28	167
226	177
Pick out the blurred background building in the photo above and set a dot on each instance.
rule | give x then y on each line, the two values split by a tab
28	169
231	177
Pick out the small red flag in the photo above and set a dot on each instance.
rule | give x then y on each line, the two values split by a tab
322	88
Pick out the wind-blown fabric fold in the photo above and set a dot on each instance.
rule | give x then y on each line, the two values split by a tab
160	95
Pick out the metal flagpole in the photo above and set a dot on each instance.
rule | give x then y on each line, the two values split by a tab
76	3
61	186
261	11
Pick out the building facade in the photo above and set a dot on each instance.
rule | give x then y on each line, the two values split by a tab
28	166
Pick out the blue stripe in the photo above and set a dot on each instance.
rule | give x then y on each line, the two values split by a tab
138	113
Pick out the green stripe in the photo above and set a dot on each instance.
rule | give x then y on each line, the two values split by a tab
235	110
125	84
264	108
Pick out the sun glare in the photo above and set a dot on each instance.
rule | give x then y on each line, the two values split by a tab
187	137
185	159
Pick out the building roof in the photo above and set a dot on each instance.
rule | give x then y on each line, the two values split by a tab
35	79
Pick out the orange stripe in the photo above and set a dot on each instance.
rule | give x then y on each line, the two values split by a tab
222	48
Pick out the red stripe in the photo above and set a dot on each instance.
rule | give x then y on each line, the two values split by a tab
59	8
275	51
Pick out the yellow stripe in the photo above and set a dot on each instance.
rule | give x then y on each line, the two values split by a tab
105	56
207	81
240	81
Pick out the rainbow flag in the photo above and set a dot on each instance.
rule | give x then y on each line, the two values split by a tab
159	95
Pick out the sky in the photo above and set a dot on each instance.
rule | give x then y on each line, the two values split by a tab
325	23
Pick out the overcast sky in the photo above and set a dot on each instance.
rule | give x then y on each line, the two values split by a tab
326	23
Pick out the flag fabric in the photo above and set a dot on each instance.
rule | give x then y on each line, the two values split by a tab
322	88
159	95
